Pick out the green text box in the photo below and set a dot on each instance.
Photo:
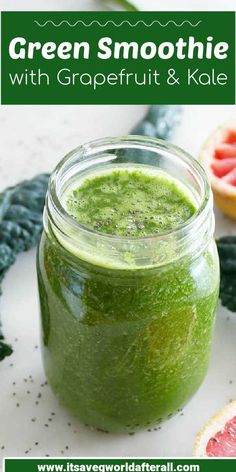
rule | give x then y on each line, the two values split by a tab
58	80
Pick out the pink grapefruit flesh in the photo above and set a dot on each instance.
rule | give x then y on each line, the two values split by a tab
218	156
224	159
218	437
223	444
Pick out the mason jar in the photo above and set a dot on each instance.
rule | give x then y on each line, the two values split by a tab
127	322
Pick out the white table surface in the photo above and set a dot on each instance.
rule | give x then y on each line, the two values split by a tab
33	139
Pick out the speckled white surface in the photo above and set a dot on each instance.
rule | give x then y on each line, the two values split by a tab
33	139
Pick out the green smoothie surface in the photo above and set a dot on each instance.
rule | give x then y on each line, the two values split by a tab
129	202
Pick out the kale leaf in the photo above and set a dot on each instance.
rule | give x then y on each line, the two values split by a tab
227	252
159	122
21	210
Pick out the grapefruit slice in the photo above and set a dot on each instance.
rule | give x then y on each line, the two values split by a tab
218	156
218	437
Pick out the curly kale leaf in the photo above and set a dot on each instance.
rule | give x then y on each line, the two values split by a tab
21	209
160	121
227	252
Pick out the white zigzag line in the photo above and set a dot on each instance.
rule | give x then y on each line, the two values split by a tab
163	25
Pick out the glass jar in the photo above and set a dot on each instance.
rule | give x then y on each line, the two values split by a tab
127	323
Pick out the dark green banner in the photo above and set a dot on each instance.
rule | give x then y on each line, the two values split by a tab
118	58
120	465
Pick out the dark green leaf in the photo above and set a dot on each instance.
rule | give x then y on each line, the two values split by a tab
5	350
160	121
21	210
227	253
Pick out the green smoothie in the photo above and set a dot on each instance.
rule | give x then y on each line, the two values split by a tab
130	203
126	347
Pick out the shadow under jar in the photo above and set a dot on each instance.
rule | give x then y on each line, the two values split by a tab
127	322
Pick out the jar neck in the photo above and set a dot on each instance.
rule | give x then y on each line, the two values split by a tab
109	251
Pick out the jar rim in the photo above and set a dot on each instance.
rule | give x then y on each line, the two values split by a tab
131	141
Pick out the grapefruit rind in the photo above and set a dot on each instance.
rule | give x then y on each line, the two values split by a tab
215	424
224	193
